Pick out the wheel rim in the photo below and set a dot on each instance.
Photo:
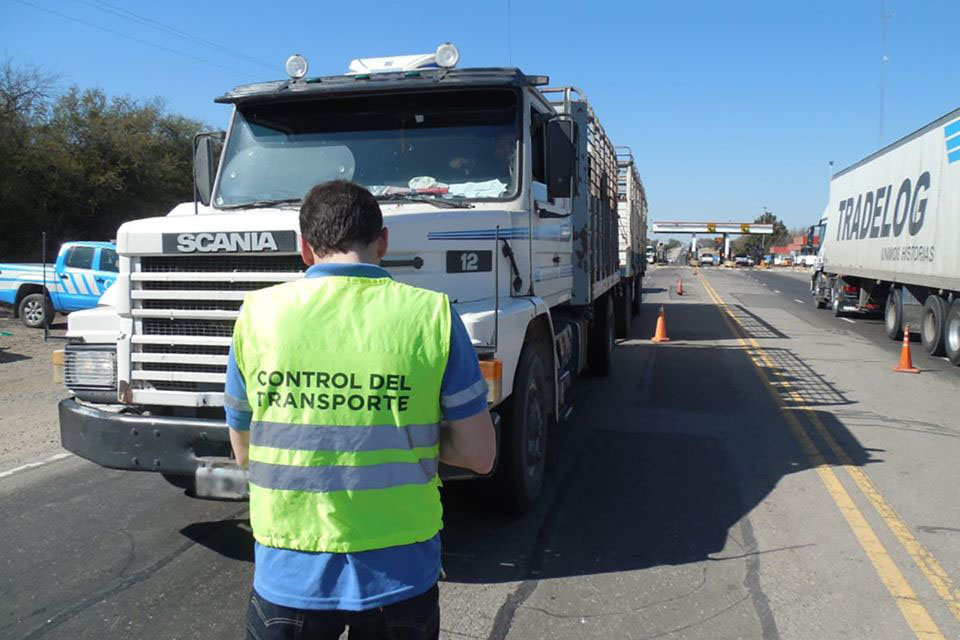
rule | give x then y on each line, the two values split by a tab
929	327
534	418
33	312
953	334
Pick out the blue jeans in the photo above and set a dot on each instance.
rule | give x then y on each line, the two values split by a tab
417	618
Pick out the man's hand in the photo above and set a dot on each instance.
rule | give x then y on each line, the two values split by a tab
470	443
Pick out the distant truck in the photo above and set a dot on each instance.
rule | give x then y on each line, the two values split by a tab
889	239
81	274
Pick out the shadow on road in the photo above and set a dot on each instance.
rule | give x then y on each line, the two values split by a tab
9	356
660	462
231	538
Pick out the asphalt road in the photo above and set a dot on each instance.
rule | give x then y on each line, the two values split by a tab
762	475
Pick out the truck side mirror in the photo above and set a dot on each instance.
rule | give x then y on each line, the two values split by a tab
561	161
205	160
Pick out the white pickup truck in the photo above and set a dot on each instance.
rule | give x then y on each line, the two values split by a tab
496	190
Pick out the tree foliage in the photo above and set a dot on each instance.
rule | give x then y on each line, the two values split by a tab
79	164
757	245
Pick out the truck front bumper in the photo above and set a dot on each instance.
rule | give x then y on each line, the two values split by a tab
141	443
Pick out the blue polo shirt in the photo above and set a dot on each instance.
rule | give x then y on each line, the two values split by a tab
368	579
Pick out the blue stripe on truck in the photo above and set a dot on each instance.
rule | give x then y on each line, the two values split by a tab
952	129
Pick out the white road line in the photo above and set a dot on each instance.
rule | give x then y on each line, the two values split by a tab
31	465
776	290
849	320
798	301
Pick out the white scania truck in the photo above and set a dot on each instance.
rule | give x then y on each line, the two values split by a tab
889	237
632	225
496	190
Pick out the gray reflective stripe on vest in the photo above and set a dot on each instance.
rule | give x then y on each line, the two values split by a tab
308	437
340	478
474	391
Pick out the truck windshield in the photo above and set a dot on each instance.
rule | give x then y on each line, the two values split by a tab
445	144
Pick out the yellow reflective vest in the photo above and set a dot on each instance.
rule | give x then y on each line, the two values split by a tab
343	376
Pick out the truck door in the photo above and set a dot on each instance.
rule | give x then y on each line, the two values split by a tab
80	290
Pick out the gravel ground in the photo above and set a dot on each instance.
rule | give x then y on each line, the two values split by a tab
29	429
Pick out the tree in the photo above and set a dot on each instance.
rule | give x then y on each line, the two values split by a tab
79	165
757	245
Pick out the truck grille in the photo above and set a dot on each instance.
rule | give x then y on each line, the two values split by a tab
184	309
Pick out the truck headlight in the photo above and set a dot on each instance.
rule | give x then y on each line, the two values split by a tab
90	367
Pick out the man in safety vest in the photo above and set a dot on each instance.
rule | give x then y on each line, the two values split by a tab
336	387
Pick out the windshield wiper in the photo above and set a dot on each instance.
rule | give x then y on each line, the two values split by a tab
261	204
437	201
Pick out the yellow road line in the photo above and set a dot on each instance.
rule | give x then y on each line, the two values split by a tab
932	570
913	611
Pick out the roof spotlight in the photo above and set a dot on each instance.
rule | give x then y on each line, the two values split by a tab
296	66
447	55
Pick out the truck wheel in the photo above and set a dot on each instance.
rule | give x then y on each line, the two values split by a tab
35	310
837	299
600	346
819	289
523	436
932	325
951	333
893	315
635	298
623	314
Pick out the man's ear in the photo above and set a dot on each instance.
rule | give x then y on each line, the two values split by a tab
383	241
306	252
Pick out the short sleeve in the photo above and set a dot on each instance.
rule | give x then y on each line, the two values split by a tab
235	402
463	393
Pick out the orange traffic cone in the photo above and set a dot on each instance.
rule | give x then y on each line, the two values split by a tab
679	286
661	334
906	363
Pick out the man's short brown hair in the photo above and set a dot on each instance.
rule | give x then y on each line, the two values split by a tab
338	216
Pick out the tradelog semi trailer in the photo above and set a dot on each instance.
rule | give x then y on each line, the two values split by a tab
889	242
632	232
496	190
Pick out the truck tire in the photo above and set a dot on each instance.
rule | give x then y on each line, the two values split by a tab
819	289
35	310
523	436
951	333
635	298
837	299
932	325
600	336
624	317
893	315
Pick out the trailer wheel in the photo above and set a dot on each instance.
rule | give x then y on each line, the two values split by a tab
932	325
600	346
951	333
523	439
893	315
623	315
35	310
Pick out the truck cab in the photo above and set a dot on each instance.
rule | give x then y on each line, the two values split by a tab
496	190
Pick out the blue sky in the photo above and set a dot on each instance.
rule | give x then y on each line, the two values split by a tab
729	107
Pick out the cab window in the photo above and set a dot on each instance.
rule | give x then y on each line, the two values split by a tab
108	260
80	257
